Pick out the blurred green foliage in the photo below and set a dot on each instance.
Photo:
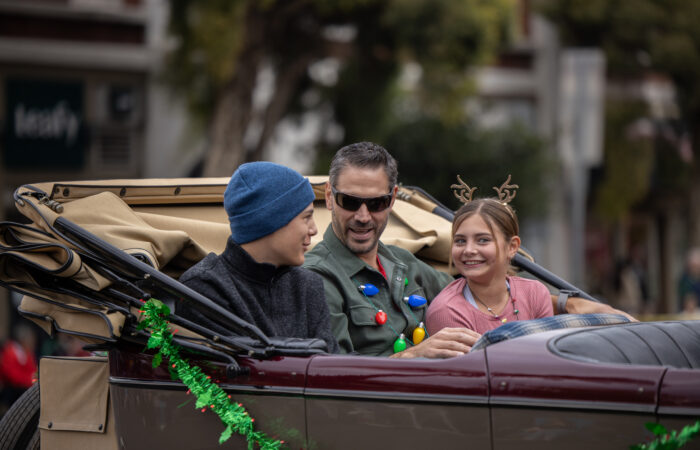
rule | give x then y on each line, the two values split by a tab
432	153
628	163
639	36
424	123
642	38
211	39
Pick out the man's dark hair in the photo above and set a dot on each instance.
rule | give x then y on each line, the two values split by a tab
364	154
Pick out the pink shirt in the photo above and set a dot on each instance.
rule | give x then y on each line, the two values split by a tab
451	309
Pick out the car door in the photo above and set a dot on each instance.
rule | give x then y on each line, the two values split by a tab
152	411
545	401
378	402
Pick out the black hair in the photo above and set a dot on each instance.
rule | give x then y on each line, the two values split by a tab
364	154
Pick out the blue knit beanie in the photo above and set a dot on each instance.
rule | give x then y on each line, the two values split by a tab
262	197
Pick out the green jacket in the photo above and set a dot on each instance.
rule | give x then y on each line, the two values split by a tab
352	313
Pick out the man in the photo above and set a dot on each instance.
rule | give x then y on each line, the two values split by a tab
270	209
360	193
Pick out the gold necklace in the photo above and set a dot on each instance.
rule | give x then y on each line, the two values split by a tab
489	309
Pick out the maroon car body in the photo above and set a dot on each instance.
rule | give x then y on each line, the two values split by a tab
511	395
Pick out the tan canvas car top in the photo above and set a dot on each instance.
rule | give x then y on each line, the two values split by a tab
170	219
171	223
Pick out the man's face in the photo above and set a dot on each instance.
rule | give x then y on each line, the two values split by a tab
288	244
359	230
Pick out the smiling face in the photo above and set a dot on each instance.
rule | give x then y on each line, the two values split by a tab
359	230
480	252
286	246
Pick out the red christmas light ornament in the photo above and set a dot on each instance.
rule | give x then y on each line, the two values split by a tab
380	317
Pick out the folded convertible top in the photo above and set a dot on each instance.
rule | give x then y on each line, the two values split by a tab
95	250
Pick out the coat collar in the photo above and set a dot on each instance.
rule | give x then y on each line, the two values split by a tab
240	261
348	261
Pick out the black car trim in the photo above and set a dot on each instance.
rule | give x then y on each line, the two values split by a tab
396	396
573	404
175	385
406	397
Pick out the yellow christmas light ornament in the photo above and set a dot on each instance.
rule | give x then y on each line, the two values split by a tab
418	334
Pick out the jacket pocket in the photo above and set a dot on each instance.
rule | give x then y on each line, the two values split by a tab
362	315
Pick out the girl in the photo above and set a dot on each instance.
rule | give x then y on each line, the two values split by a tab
484	240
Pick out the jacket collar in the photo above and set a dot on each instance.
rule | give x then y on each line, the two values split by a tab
348	261
240	261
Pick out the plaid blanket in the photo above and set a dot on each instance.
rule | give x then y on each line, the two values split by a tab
515	329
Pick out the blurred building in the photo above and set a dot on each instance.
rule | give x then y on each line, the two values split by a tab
558	93
562	94
80	96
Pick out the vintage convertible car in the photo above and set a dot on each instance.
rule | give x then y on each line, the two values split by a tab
95	251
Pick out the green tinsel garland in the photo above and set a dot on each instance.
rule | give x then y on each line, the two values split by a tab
209	395
668	440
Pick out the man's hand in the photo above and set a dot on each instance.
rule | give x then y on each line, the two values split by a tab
446	343
579	305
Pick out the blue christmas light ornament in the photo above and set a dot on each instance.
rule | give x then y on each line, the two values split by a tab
415	301
369	289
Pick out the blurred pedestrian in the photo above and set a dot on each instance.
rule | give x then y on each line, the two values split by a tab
18	368
631	283
689	283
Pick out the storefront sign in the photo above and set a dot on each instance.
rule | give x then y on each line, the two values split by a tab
44	125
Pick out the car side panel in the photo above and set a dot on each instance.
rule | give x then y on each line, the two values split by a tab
551	428
678	401
376	424
680	393
549	402
152	411
373	402
158	416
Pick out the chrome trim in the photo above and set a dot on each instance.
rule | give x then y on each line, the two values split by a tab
147	384
679	411
416	397
397	396
572	404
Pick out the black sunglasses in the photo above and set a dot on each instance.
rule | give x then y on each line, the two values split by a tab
352	203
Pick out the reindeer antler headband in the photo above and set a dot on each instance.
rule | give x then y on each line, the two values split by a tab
506	192
462	191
